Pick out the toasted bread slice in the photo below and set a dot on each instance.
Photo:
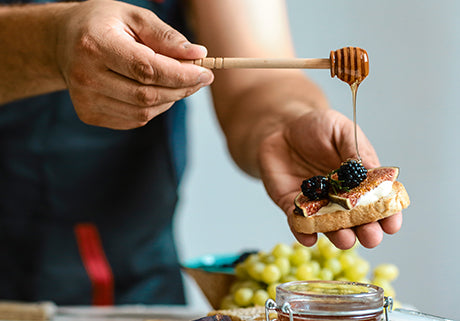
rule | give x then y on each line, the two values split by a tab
256	313
392	203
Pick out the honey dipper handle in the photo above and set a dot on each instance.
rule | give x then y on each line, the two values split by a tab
230	63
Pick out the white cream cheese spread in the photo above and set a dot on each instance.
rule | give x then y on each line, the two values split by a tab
370	197
374	195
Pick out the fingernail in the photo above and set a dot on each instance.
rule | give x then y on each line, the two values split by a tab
205	78
203	49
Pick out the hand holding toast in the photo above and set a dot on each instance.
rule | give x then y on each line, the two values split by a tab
314	144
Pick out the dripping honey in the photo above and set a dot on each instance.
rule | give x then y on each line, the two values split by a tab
354	91
351	64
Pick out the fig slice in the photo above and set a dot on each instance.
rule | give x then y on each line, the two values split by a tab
375	176
306	207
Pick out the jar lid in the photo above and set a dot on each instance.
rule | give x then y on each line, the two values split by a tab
329	298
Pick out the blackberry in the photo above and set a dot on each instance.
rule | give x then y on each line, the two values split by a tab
351	173
316	187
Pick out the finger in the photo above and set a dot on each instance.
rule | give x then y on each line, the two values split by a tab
305	239
392	224
140	63
134	93
343	239
103	111
162	38
131	113
369	235
95	116
112	122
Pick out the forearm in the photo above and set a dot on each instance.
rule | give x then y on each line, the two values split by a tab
251	104
27	57
261	109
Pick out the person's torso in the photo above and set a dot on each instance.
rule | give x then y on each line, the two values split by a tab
57	174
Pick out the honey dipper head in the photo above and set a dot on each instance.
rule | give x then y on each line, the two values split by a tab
350	64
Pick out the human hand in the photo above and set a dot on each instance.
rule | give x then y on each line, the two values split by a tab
315	144
119	63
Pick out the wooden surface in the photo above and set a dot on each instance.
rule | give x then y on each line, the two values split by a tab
43	312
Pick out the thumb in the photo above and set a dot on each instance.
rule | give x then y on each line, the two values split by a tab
165	40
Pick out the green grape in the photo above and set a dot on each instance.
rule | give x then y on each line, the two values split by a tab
386	271
282	250
297	245
258	276
260	297
254	257
241	271
283	264
364	280
305	272
261	254
347	260
288	278
334	265
326	274
270	274
235	286
357	271
327	249
250	284
316	267
271	290
315	254
299	256
255	270
267	258
385	285
228	303
243	297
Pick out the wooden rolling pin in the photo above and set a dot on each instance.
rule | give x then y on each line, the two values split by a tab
350	64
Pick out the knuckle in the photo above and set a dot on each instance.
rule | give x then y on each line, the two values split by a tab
181	79
144	72
189	91
146	96
80	78
143	115
87	44
169	34
140	124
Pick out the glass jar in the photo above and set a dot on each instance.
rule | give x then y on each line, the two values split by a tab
328	300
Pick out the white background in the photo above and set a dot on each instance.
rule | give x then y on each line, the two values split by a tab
409	109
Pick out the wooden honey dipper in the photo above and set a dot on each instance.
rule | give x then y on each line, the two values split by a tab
350	64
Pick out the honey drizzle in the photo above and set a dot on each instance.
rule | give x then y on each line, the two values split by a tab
354	92
351	65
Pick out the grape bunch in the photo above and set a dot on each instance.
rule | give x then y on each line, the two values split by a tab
259	274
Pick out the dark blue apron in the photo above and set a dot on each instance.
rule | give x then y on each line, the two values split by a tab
58	174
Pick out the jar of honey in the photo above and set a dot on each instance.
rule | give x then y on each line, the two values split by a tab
328	300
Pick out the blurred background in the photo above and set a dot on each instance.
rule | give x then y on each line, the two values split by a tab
409	107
